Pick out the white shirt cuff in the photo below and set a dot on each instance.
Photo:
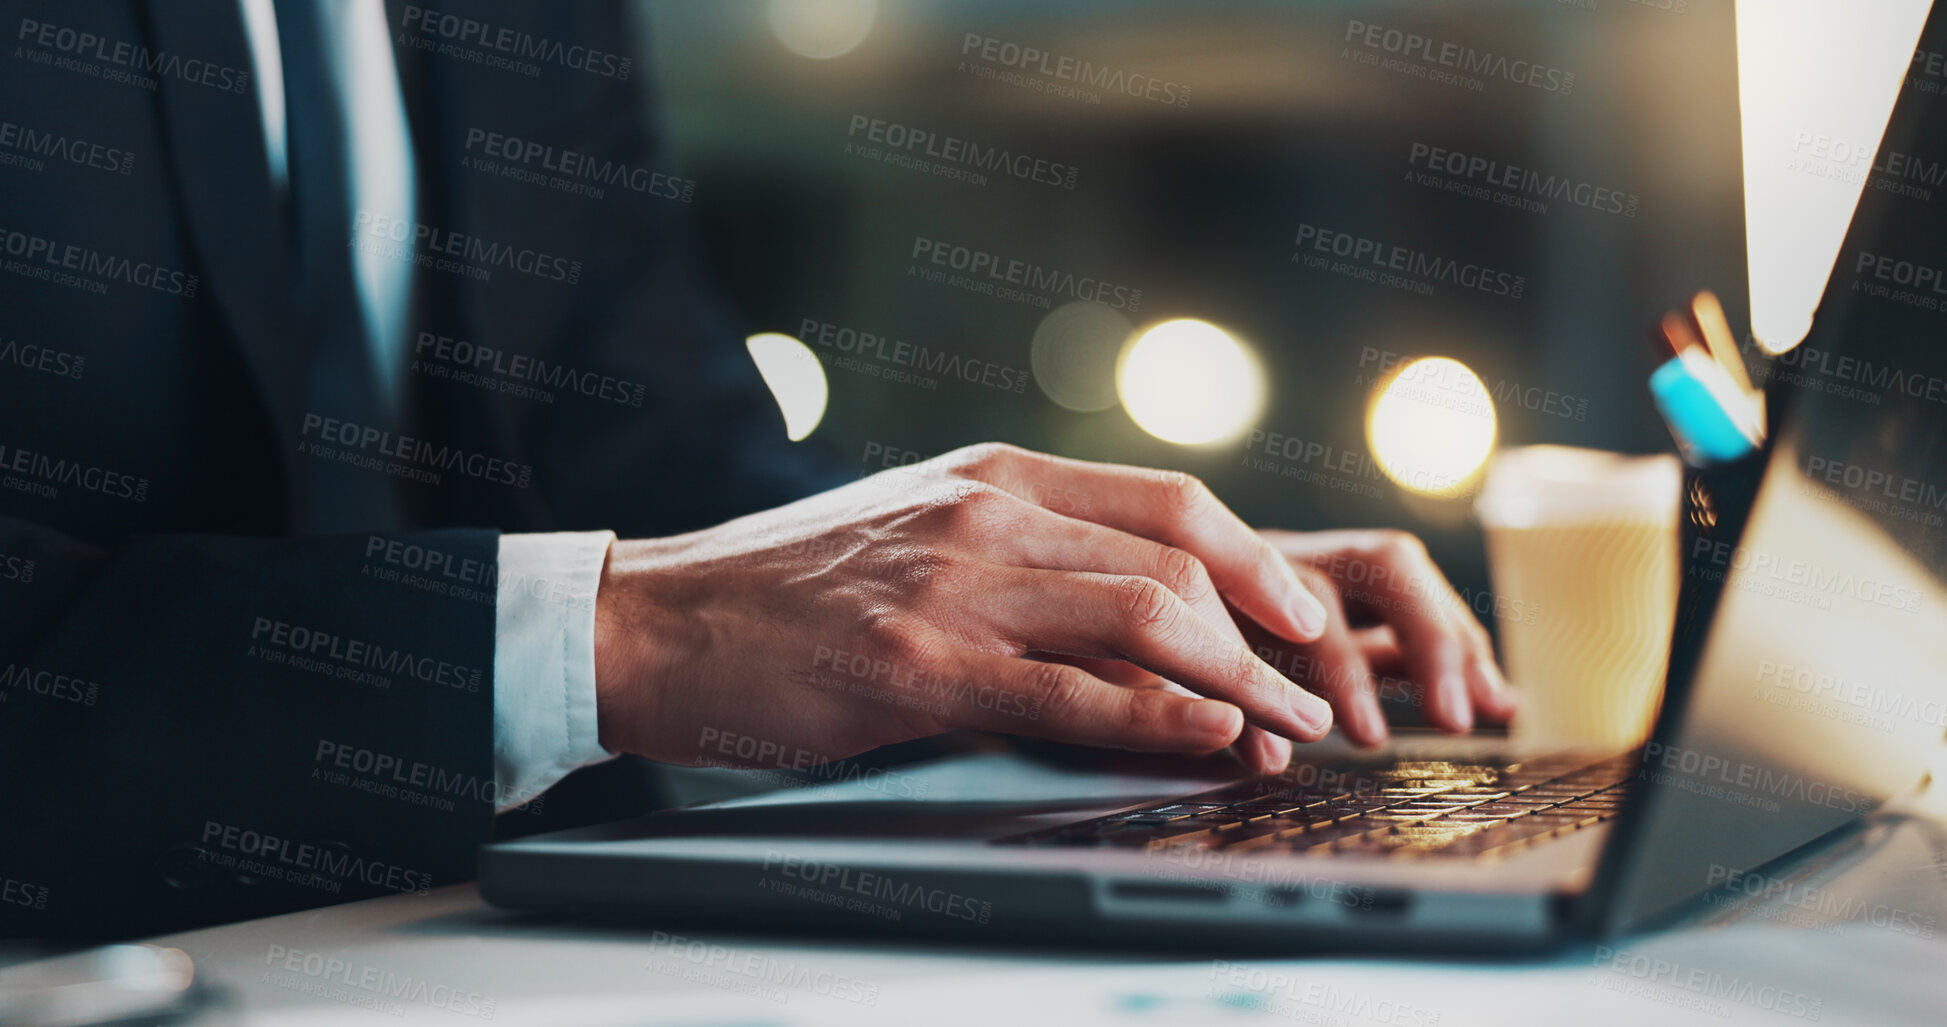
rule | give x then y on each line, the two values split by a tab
544	661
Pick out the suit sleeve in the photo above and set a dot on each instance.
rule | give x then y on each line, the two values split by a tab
199	729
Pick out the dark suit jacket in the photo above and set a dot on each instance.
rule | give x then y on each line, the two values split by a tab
205	713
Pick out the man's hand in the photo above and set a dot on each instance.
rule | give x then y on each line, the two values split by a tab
1396	626
989	588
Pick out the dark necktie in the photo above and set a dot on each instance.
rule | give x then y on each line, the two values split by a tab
342	495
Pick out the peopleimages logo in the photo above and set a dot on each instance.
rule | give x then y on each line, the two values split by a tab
1860	478
302	858
880	887
753	973
992	274
1875	491
909	686
1823	902
56	362
16	568
396	777
1314	462
86	268
22	893
116	61
1701	771
1290	994
1871	699
566	170
905	141
1398	266
1757	567
26	143
1928	68
422	459
737	751
1903	281
850	342
1824	370
369	987
1000	53
456	252
500	46
357	653
44	682
1426	50
1707	984
515	374
42	475
1525	188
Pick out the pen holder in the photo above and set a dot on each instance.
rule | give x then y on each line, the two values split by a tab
1716	504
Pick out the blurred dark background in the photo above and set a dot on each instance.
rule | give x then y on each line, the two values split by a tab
1284	114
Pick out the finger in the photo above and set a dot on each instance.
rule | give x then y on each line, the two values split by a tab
1163	506
1391	676
1489	695
1115	672
1259	750
1493	698
1064	703
1345	675
1380	646
1335	667
1053	542
1488	692
1394	580
1139	621
1487	687
1262	752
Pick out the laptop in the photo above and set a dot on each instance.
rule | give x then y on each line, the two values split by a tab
1806	689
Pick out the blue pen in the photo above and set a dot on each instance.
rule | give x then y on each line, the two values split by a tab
1706	412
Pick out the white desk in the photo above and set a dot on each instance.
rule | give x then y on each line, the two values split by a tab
411	959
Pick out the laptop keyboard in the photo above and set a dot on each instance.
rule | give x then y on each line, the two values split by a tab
1406	809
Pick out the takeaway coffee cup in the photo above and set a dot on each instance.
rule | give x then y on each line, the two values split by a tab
1584	547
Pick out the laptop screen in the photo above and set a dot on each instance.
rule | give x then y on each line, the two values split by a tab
1820	687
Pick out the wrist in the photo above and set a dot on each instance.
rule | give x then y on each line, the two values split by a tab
635	644
611	643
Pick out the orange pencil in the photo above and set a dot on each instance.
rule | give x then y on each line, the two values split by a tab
1716	331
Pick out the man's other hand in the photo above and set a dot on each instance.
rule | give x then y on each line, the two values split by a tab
989	588
1397	629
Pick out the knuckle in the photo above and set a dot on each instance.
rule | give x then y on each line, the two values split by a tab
904	642
1059	691
1399	547
982	457
1146	606
971	504
1240	664
1183	495
1151	714
923	571
1183	574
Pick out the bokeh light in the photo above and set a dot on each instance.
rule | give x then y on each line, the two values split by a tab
1432	426
794	375
822	29
1189	382
1074	354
